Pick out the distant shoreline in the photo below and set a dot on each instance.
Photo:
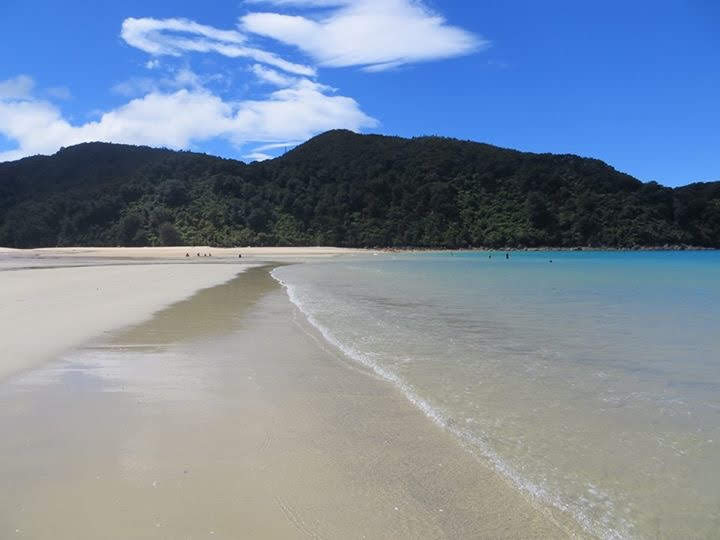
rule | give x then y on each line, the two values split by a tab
285	252
191	253
551	248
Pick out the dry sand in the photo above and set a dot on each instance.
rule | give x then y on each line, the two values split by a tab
227	416
45	311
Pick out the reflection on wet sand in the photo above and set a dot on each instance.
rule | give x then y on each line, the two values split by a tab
211	312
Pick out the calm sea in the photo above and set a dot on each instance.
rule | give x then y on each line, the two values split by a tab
588	380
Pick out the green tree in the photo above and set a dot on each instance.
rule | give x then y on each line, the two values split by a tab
169	235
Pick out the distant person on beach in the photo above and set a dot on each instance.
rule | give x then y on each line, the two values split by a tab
507	255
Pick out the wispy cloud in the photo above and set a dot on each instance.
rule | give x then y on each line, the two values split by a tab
257	156
174	37
375	34
260	153
276	146
173	79
19	87
271	76
59	92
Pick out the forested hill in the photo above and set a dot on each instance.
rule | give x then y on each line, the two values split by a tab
345	189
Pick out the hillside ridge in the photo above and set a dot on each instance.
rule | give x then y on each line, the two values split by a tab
346	189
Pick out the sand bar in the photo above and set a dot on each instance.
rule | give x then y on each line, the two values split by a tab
56	298
45	311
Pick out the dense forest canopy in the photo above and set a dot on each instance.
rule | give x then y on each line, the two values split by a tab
345	189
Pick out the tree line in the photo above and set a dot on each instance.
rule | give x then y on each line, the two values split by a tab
345	189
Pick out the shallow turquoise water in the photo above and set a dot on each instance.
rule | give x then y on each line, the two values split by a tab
591	382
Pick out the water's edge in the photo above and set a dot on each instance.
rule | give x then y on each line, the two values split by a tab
537	496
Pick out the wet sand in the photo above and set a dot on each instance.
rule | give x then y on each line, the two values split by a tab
227	416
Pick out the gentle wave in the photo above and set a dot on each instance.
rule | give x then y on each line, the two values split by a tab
537	495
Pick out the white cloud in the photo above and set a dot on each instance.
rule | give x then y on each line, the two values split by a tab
157	119
257	156
296	113
19	87
271	76
174	37
376	34
274	146
184	117
176	108
259	153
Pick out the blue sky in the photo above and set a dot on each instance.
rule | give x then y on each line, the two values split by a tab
636	84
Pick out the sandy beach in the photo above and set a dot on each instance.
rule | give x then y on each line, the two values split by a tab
56	298
225	415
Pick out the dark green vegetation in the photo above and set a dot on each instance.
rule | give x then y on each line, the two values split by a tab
347	190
